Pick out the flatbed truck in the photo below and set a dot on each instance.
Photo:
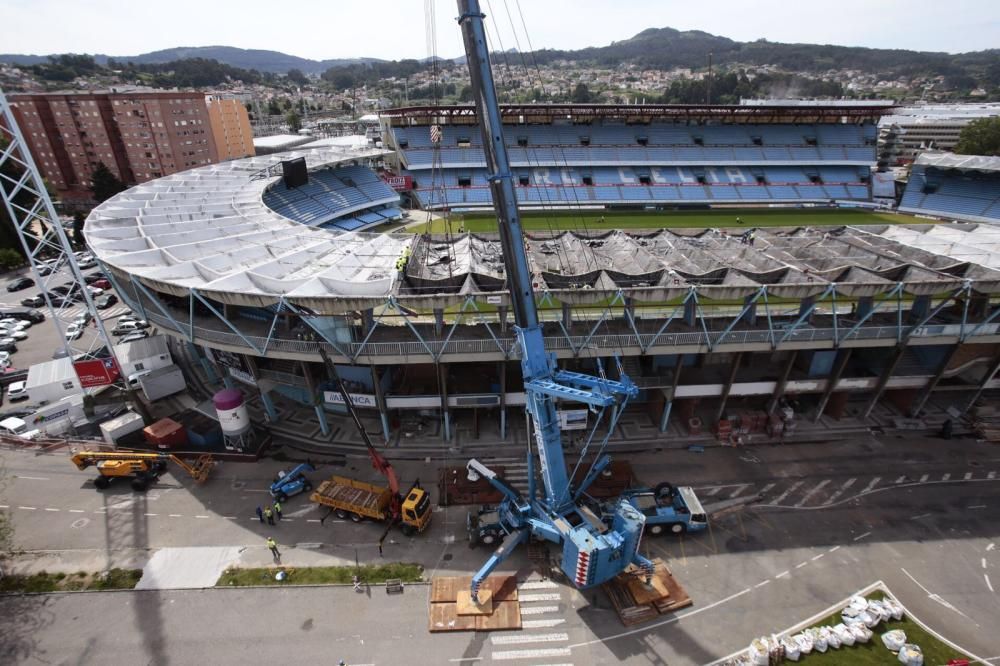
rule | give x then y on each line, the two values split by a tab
358	500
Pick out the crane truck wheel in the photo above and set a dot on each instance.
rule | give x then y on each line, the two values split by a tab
655	530
489	537
140	484
102	482
340	513
281	497
665	489
408	530
678	528
357	517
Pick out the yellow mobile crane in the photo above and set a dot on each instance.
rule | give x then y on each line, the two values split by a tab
143	468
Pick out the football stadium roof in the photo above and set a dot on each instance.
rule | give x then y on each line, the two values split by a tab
943	160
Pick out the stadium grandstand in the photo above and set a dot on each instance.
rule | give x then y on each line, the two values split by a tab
646	155
961	187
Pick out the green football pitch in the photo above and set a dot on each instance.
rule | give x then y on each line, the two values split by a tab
593	221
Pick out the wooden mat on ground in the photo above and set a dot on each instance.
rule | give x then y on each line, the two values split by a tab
635	603
443	613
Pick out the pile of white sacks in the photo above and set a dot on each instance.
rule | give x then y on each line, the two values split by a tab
857	621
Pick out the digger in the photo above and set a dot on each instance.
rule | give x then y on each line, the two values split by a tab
143	468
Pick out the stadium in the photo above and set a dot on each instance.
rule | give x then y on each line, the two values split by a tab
731	257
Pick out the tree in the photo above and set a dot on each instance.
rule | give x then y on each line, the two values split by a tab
104	184
980	137
11	173
78	219
294	122
581	94
296	76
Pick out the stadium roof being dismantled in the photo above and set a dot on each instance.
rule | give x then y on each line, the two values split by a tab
207	230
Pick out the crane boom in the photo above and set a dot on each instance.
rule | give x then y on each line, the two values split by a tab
592	552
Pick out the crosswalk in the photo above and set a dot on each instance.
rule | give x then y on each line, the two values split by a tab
541	640
110	313
819	493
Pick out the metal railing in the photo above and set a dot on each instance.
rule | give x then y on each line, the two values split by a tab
508	347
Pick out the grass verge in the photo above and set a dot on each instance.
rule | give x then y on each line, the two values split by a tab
114	579
873	652
368	573
590	220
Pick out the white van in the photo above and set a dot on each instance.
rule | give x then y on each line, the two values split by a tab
16	427
17	391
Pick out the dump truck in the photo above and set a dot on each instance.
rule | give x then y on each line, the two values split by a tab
358	500
142	468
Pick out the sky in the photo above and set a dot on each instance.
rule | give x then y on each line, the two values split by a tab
394	29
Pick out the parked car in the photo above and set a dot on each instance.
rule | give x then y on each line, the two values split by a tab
74	331
24	314
94	291
132	337
105	301
17	284
92	278
17	391
83	318
8	345
133	319
15	333
13	426
103	283
5	356
84	264
19	324
35	301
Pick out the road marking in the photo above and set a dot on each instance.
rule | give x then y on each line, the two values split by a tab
983	562
978	506
812	491
517	639
714	490
932	596
739	489
871	484
945	477
152	514
767	487
988	583
537	585
785	494
230	517
991	476
990	547
4	506
901	479
834	549
312	520
48	509
862	536
839	491
175	515
538	597
542	624
27	508
201	516
816	557
800	565
77	511
924	477
968	475
781	575
32	478
507	655
762	583
460	660
923	515
539	610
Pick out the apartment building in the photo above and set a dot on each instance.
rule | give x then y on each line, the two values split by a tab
230	127
138	136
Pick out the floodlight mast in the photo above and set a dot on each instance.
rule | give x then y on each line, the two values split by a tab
592	553
38	228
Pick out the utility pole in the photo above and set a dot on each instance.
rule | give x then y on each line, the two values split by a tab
708	92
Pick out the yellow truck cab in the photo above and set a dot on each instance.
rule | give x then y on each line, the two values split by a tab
416	509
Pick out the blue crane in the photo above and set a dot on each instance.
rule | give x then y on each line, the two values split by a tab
593	550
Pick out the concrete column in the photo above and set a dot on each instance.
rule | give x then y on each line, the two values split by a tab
438	321
567	316
728	386
502	316
503	400
629	308
272	412
670	393
321	417
779	388
442	369
838	369
209	369
987	378
367	321
690	312
750	316
883	380
865	305
383	411
920	308
925	392
805	306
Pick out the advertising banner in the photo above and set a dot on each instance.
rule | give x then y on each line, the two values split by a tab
97	372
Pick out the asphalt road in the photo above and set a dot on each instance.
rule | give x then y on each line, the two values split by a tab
919	515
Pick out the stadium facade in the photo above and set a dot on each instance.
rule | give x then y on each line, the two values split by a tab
254	277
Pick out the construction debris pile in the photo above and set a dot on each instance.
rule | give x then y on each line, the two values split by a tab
986	423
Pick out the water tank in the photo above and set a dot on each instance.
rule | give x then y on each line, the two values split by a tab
232	411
